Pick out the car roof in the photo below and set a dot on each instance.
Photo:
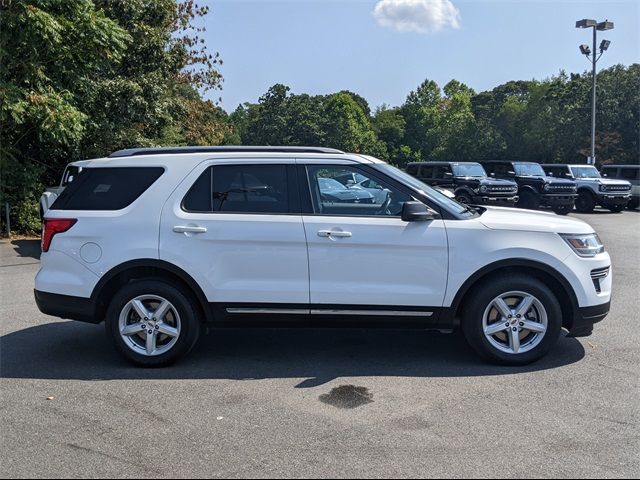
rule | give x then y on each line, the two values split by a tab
620	166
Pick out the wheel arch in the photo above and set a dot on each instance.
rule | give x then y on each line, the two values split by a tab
464	189
144	269
550	276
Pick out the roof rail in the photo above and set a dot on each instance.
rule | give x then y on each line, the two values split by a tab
132	152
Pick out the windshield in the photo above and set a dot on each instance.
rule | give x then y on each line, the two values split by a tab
468	170
529	169
585	172
440	199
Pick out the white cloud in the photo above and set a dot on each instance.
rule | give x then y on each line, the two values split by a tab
422	16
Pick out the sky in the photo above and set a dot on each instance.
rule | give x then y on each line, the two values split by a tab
383	49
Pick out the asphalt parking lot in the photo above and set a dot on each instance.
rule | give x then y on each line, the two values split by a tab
311	403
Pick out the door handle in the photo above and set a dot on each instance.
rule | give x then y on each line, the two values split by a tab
334	234
189	229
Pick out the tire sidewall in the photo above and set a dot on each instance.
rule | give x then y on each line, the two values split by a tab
480	299
189	328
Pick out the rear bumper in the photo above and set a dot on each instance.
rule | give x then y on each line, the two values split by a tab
65	306
586	317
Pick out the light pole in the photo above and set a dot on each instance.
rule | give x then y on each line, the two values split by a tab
591	55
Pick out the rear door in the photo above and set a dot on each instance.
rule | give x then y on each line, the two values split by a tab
236	228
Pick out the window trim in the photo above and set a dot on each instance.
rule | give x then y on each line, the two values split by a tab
293	197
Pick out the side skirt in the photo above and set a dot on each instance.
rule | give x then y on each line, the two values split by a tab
329	316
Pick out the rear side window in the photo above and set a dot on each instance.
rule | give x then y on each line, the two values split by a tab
240	189
106	188
630	173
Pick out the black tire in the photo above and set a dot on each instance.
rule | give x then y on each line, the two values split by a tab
563	209
480	299
529	201
184	305
585	203
464	197
633	204
617	208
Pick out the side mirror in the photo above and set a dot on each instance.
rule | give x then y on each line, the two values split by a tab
415	212
492	174
511	173
448	175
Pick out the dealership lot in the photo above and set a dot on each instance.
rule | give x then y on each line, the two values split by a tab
308	403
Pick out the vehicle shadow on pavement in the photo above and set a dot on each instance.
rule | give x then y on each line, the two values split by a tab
27	248
76	351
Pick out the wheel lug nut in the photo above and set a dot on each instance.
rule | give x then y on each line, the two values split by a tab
150	332
522	324
157	327
519	316
515	329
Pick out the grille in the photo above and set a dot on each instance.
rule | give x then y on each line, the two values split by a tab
617	188
501	189
597	275
561	188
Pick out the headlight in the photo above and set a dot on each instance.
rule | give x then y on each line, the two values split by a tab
483	188
588	245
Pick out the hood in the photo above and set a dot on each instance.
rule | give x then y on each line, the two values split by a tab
558	181
610	181
498	218
497	182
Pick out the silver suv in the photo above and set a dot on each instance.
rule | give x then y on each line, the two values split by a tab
593	190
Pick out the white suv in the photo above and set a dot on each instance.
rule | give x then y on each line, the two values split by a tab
159	242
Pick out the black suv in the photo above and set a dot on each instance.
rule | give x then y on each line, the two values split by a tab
468	181
535	188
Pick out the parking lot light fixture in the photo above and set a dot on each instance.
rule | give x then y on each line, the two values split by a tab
593	58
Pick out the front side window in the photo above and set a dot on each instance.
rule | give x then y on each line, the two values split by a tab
240	189
371	196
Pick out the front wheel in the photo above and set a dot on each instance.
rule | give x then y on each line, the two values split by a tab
464	198
585	203
512	320
529	201
152	323
563	209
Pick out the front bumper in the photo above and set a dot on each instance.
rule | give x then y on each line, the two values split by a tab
65	306
495	200
586	317
558	199
611	200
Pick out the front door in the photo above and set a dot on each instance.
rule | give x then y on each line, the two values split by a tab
362	254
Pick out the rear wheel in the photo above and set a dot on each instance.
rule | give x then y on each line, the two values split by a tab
512	320
152	323
528	200
585	203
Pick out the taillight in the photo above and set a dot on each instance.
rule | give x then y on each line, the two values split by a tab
52	226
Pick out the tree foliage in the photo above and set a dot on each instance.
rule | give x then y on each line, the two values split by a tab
81	78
